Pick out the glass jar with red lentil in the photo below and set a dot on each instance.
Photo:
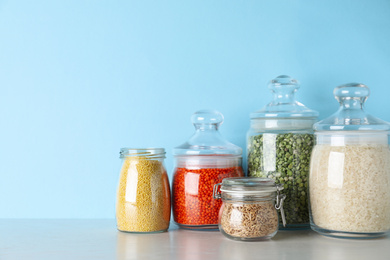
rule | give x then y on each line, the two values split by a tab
200	163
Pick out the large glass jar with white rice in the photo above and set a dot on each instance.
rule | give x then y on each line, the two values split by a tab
349	178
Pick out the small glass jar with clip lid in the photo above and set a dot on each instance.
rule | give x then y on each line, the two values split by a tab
204	160
249	208
279	145
350	170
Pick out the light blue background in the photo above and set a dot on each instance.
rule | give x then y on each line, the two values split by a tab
81	79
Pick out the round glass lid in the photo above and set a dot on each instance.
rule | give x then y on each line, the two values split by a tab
207	140
284	104
351	115
238	184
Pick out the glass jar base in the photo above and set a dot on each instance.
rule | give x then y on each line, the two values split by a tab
143	232
212	227
249	239
346	234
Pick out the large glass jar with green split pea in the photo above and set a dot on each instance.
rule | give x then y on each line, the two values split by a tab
279	145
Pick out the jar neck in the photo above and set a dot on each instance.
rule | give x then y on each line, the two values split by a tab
208	161
242	197
143	153
282	124
342	138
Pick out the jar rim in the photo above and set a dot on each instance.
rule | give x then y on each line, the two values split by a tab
207	156
149	153
249	185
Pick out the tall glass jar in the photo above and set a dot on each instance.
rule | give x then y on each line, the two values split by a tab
204	160
143	198
350	170
249	205
279	145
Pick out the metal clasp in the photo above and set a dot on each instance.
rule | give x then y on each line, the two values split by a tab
279	203
216	194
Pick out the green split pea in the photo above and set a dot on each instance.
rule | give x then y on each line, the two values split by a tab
284	158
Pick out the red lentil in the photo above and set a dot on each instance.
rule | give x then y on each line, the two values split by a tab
193	202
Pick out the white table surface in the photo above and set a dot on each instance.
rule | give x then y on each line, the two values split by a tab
99	239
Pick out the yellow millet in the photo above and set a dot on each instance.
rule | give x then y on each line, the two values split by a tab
143	198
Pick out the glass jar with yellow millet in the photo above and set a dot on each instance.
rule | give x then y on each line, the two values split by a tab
143	202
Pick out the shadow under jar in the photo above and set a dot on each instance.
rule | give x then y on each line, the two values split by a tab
279	146
249	208
200	163
350	170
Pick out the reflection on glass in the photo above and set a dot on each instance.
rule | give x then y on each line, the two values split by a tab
336	170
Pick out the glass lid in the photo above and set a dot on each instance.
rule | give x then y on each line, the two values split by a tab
207	140
284	104
351	115
239	184
149	153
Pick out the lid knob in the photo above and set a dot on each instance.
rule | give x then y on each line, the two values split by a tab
207	140
352	94
207	119
284	104
284	88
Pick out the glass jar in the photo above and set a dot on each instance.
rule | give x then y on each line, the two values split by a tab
350	170
249	205
143	198
204	160
279	145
